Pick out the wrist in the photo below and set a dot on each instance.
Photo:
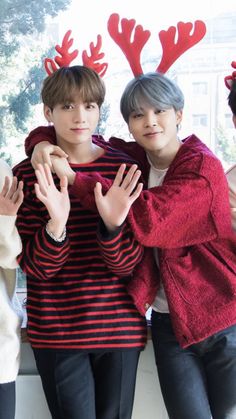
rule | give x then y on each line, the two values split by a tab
56	231
111	227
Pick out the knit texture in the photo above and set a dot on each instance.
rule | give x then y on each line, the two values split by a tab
188	218
74	301
10	310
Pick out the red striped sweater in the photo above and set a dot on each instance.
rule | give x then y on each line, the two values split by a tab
73	300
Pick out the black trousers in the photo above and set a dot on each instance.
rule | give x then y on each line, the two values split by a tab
88	385
7	400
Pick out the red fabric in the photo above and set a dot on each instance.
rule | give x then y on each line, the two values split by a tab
74	301
188	219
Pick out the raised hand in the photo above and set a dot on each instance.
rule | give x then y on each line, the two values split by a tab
114	206
43	152
60	166
11	196
56	201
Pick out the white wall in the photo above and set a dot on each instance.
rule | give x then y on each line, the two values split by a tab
148	403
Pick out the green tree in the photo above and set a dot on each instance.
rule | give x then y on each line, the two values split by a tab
104	114
225	147
22	49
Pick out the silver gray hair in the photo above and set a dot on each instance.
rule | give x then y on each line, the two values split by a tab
150	89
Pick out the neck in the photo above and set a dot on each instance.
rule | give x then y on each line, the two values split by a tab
162	159
82	153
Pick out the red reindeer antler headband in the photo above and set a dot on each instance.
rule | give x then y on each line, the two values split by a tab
66	57
229	79
171	49
132	48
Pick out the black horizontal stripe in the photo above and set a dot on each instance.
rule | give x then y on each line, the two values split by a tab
74	300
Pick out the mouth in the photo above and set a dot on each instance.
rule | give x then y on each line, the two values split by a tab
152	133
78	129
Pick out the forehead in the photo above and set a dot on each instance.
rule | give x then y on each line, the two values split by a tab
77	96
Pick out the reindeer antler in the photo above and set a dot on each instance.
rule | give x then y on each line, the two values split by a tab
229	79
171	49
66	57
132	50
95	56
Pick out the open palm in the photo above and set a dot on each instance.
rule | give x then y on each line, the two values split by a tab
114	206
56	201
11	196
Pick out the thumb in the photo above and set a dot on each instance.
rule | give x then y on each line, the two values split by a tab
59	152
63	183
98	191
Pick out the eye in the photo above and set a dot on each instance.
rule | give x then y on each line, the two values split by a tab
91	105
137	115
68	107
157	111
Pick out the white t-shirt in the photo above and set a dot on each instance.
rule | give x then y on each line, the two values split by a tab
156	177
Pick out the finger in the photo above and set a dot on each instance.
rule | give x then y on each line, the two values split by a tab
98	192
13	188
17	194
129	176
6	186
45	175
136	193
59	152
48	174
47	159
41	178
18	198
20	185
63	184
34	163
133	182
119	175
36	160
38	193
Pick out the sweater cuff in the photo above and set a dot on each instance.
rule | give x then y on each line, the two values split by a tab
105	235
7	224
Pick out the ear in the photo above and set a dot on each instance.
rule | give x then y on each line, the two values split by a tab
179	116
47	113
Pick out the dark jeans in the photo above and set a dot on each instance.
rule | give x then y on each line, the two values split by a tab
88	386
7	400
198	382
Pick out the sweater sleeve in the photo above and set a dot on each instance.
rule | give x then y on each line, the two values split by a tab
41	256
83	188
191	207
10	243
37	135
119	249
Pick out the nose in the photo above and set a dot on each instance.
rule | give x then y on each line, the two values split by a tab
79	114
151	120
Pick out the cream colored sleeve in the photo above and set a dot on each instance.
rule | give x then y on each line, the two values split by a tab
10	243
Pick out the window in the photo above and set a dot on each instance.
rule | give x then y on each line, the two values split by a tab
30	34
228	121
200	88
200	120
